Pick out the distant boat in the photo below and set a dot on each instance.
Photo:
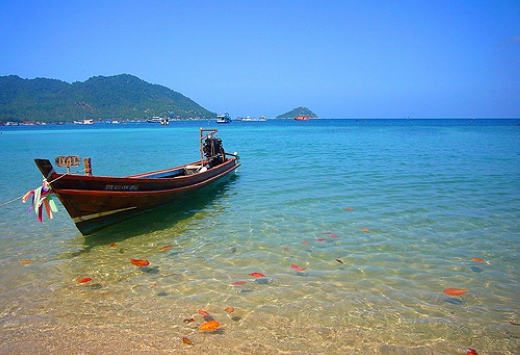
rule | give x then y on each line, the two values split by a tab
84	122
302	118
96	202
224	118
251	119
163	121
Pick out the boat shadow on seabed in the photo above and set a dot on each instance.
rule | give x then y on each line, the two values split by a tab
161	218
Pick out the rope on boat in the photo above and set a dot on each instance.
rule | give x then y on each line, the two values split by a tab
21	197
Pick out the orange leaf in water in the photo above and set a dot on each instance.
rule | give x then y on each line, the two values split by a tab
305	242
365	230
455	291
209	325
349	208
113	244
86	279
25	262
166	247
139	262
186	341
229	309
257	274
239	283
478	260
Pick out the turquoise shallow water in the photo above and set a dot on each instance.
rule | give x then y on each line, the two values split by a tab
382	215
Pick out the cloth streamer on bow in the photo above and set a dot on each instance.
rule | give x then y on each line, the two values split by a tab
41	196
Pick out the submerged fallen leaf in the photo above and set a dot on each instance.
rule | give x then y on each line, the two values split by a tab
188	320
209	325
203	313
321	239
113	244
229	309
239	283
139	262
514	323
82	281
257	274
471	352
339	261
166	247
25	262
455	291
349	208
295	266
478	260
305	242
332	235
365	230
187	341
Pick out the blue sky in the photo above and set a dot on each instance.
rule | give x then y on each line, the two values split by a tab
341	59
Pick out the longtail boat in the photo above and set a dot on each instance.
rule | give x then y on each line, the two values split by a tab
96	202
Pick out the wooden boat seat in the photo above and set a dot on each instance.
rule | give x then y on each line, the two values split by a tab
194	169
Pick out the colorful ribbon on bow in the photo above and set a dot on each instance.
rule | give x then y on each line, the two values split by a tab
41	196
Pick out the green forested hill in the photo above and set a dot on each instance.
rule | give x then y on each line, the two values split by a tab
298	111
100	98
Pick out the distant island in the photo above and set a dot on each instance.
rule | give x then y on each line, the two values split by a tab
298	111
99	98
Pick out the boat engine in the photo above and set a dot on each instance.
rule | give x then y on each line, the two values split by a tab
213	149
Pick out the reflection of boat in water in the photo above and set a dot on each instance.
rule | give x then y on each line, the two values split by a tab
224	118
251	119
84	122
302	118
95	202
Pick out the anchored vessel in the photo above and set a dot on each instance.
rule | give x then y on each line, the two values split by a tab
95	202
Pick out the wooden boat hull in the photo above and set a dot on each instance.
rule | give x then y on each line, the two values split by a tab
95	202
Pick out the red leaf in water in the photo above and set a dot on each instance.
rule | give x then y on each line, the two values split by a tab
455	291
188	320
166	247
295	266
321	239
112	244
257	274
365	230
86	279
349	208
139	262
204	313
239	283
471	352
305	242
